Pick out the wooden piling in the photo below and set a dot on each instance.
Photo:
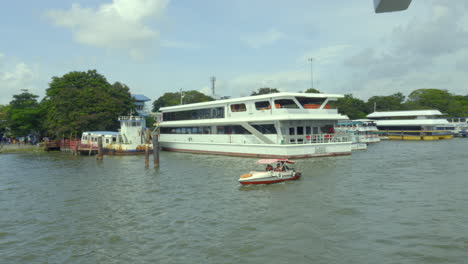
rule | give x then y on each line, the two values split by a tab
147	142
156	150
76	147
100	150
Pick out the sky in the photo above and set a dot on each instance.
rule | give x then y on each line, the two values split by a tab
158	46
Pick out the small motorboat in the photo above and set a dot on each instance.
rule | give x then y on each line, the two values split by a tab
271	174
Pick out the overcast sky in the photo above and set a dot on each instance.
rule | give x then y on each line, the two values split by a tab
158	46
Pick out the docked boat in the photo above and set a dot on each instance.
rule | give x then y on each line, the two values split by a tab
459	126
279	125
362	132
412	125
271	174
130	139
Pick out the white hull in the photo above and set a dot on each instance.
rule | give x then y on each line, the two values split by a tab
262	150
268	177
359	146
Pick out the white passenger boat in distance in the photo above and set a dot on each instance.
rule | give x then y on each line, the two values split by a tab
279	125
412	125
271	174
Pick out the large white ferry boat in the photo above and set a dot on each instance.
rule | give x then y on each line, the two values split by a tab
279	125
412	125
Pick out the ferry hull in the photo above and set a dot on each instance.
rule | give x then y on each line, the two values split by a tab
434	137
262	151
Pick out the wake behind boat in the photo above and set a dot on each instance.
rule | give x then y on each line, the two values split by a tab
271	175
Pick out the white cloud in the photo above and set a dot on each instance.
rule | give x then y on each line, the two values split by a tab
262	39
428	52
15	76
117	25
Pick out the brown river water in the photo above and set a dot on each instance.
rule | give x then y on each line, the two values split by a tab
397	202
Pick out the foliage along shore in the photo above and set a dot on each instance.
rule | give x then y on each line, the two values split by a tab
86	101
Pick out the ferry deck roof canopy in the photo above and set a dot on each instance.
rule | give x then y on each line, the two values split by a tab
251	98
140	97
405	113
270	161
102	133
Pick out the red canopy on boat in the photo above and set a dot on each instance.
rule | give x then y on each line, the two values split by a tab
269	161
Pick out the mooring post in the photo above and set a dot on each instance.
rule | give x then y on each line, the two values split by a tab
99	154
76	147
147	142
155	138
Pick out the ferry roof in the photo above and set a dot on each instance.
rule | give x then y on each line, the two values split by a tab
412	122
405	113
140	97
249	98
104	133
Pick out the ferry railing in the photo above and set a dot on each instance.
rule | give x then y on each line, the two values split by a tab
317	139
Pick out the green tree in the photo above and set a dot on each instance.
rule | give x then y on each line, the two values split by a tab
23	116
84	101
312	90
171	99
3	119
437	99
392	102
354	108
265	90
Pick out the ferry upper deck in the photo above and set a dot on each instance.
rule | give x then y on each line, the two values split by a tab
268	107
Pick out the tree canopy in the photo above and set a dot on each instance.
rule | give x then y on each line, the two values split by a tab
23	114
312	90
392	102
354	108
171	99
81	101
265	90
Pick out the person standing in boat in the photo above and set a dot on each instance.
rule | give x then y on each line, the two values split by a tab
278	167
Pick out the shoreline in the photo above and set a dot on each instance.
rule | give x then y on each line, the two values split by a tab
19	148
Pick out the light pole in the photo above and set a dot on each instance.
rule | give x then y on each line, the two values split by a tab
311	72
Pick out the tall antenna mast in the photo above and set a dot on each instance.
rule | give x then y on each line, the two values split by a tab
213	81
311	72
182	94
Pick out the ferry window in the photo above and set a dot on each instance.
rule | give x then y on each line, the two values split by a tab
107	140
114	139
300	130
262	105
291	131
178	130
206	130
239	130
183	130
266	129
238	108
220	130
316	131
312	103
285	103
205	113
308	130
